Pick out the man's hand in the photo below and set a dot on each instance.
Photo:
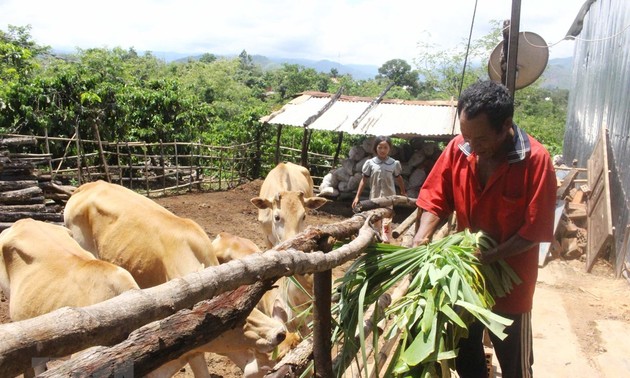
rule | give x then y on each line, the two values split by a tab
417	241
486	257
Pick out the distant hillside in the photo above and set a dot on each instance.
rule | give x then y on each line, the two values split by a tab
556	75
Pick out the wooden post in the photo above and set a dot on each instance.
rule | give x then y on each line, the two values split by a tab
220	166
146	168
322	283
190	167
163	165
120	175
176	166
278	136
52	174
76	133
305	141
130	166
100	151
338	150
515	20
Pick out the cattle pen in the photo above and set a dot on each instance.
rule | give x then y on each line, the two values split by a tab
105	324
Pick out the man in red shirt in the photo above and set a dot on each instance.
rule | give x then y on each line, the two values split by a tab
499	180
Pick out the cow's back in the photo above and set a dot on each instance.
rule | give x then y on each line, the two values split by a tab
47	270
134	232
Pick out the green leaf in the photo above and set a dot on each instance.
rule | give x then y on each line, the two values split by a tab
421	347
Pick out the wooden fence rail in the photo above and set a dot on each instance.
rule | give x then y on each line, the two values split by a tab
153	167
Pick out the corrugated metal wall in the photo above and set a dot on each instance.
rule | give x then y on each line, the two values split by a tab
600	96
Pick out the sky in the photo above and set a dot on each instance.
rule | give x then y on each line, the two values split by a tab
367	32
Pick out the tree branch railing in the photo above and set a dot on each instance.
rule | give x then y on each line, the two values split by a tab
70	330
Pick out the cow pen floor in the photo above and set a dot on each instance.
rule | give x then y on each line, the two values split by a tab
575	313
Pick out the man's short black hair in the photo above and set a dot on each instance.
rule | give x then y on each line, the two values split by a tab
487	97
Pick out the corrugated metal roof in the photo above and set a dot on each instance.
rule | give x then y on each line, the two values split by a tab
398	118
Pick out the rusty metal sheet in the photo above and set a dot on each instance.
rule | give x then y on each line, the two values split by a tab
599	223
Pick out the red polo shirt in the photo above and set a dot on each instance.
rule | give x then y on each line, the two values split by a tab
519	198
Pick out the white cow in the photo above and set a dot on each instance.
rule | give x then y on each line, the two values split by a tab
154	245
285	197
43	269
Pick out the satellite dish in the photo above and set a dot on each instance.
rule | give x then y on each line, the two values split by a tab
531	59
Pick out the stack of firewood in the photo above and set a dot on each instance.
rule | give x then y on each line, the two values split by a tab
570	236
416	157
24	193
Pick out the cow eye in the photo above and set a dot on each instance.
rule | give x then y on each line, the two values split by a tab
277	218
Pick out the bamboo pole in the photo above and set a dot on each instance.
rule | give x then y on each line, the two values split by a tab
176	165
163	165
52	174
76	132
130	163
146	168
120	171
404	226
100	151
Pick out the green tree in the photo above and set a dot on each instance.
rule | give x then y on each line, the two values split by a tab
399	72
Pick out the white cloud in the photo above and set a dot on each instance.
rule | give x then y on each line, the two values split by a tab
348	31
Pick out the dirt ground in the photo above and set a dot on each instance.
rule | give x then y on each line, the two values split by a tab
580	319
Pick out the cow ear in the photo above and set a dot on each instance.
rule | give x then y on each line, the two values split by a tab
315	202
278	312
261	203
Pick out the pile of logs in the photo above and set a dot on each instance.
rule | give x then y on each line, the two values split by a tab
24	193
416	157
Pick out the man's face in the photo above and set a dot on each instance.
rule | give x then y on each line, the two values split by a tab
484	140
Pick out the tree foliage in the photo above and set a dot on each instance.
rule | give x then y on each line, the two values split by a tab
127	96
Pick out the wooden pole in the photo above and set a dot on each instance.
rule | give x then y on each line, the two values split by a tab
338	149
52	174
100	151
130	166
510	76
190	167
163	165
176	166
78	145
278	136
322	317
305	141
146	168
120	171
404	226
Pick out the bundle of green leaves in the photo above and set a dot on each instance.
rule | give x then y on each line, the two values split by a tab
449	289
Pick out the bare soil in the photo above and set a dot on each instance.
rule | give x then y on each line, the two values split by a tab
588	299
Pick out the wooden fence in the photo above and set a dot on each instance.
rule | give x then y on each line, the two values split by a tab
155	168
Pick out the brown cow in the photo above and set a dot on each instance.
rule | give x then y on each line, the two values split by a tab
285	197
155	245
43	269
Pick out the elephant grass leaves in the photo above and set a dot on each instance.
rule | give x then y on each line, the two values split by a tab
449	289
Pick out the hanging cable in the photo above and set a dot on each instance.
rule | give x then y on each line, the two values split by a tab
472	23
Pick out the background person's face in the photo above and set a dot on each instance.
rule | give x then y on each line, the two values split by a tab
382	150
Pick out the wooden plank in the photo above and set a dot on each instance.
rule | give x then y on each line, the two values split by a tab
543	250
599	218
625	252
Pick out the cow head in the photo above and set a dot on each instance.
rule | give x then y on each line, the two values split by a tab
285	214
